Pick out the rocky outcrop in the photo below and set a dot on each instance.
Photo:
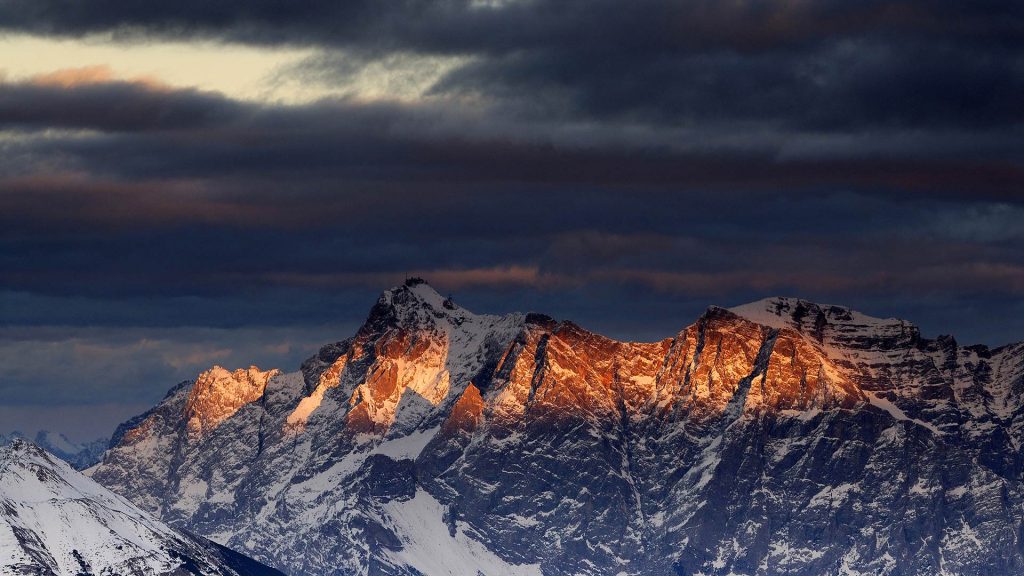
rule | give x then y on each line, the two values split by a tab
218	393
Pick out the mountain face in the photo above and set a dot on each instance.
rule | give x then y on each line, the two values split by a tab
80	456
55	521
780	437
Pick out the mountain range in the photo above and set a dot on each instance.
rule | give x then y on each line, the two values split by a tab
778	437
79	455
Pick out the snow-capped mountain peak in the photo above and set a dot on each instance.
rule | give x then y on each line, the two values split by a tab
409	362
416	305
806	316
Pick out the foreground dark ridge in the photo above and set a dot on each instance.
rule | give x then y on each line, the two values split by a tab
780	437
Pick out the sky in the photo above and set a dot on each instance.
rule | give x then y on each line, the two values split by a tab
195	183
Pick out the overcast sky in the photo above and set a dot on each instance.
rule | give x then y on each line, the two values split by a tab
189	183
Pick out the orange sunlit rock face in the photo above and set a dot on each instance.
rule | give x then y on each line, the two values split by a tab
560	371
801	377
467	412
403	362
218	394
138	433
569	370
547	372
711	359
566	371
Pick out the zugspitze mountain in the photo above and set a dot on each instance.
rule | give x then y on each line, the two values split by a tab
781	437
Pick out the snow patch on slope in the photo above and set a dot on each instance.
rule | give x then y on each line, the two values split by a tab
896	413
406	447
428	547
297	420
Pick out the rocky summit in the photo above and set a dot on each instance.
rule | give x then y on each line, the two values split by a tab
781	437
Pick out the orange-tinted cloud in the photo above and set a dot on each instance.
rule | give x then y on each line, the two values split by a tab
71	77
92	75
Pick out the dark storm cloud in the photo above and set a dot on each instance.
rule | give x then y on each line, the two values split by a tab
697	244
858	84
181	154
822	65
465	25
248	165
107	105
340	194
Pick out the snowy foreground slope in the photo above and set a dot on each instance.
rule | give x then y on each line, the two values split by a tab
780	437
55	521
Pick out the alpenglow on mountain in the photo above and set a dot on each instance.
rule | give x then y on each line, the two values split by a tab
777	438
56	522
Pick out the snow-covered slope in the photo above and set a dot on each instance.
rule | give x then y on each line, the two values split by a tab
781	437
55	521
